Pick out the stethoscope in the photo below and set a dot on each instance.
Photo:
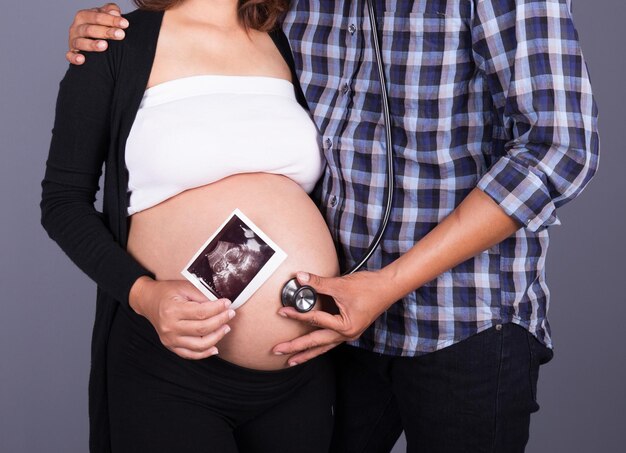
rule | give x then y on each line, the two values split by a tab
303	297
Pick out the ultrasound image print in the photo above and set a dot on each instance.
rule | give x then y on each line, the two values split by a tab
231	260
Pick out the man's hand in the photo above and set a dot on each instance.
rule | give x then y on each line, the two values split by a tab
90	29
475	225
360	299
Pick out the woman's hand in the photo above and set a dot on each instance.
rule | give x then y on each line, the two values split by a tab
90	29
187	323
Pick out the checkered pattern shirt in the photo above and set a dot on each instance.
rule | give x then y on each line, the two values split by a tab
491	94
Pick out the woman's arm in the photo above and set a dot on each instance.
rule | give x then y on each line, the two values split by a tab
185	320
79	145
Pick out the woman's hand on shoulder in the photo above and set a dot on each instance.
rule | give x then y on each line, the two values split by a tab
91	28
187	323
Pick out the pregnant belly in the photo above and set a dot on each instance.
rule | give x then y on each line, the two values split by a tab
165	237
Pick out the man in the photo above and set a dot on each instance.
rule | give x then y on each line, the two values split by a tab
494	128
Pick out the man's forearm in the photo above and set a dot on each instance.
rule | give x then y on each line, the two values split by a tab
475	225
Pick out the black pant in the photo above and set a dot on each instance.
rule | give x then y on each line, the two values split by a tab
475	396
159	402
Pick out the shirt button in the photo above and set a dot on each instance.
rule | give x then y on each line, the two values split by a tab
352	29
328	143
345	89
333	201
498	327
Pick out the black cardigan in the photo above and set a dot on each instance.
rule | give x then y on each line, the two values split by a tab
96	107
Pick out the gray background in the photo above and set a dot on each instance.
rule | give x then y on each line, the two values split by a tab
47	304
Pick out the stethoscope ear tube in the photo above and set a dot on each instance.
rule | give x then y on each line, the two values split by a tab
303	298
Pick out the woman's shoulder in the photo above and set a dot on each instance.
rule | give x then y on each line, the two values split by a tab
128	60
144	19
143	30
134	52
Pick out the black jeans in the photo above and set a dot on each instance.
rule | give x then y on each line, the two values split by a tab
475	396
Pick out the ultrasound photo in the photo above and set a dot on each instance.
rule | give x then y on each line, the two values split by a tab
235	261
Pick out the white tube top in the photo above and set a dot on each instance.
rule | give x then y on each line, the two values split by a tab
196	130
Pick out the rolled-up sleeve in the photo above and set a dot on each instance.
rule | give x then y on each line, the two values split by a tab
529	53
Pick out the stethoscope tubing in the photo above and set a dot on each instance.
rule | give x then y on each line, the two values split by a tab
389	145
303	298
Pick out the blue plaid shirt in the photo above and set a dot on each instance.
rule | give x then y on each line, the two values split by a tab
491	94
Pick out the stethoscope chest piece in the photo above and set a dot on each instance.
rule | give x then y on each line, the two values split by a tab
300	297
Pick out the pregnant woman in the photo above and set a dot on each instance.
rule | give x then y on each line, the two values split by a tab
195	114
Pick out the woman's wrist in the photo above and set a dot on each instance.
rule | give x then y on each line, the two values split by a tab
137	291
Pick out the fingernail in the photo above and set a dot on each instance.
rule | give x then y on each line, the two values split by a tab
101	44
226	329
303	276
278	353
282	313
124	23
227	303
213	351
293	363
231	314
114	12
119	34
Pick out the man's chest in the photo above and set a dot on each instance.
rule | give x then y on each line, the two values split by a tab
426	47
